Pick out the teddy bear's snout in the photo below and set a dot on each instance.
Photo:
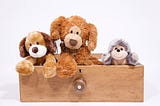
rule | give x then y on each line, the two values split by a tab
34	49
73	42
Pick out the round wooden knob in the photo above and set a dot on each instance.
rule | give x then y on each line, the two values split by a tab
79	85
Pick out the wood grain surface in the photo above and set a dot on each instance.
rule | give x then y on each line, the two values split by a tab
103	83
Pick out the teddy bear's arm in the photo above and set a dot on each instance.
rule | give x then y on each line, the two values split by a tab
49	66
66	66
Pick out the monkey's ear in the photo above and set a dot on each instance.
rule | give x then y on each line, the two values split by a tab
22	49
51	46
55	29
92	38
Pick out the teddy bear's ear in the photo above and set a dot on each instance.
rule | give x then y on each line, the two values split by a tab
92	37
51	46
55	29
22	49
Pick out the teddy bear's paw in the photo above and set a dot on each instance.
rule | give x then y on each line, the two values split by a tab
84	62
49	72
25	67
88	62
65	72
134	56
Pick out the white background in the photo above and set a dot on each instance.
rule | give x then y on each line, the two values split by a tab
137	21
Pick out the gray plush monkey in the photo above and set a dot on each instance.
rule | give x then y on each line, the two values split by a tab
120	54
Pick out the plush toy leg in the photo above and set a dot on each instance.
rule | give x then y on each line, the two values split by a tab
67	66
25	67
49	66
83	56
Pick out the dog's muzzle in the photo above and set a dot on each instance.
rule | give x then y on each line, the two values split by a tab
37	51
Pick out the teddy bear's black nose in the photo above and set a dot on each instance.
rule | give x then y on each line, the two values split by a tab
118	50
73	42
34	49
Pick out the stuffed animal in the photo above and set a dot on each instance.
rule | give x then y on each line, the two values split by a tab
38	49
119	54
78	39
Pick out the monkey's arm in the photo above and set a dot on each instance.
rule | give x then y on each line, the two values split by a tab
133	59
106	58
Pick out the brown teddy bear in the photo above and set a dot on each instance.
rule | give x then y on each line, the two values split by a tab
38	49
78	39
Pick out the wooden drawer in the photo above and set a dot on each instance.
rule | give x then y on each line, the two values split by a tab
118	83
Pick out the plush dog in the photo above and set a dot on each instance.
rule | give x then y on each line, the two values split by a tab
38	49
78	39
120	54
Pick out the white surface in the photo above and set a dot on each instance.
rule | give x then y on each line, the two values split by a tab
138	21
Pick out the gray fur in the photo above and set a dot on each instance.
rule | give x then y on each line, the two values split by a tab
121	42
108	61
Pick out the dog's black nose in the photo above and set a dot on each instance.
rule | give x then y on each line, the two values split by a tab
73	42
34	49
118	50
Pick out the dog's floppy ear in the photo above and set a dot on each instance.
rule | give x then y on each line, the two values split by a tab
55	29
22	49
92	37
51	46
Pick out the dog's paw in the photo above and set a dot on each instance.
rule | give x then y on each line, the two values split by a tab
25	67
49	72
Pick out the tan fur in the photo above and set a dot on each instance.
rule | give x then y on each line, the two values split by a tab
69	58
119	62
116	61
33	39
26	67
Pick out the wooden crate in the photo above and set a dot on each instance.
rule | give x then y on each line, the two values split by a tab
112	83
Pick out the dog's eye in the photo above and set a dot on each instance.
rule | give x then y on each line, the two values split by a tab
30	44
71	31
77	33
121	48
115	49
37	43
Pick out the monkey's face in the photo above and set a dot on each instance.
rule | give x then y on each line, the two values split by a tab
119	52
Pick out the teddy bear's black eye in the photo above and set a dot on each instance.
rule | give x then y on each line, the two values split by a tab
77	33
121	48
59	24
30	44
115	48
37	43
71	31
